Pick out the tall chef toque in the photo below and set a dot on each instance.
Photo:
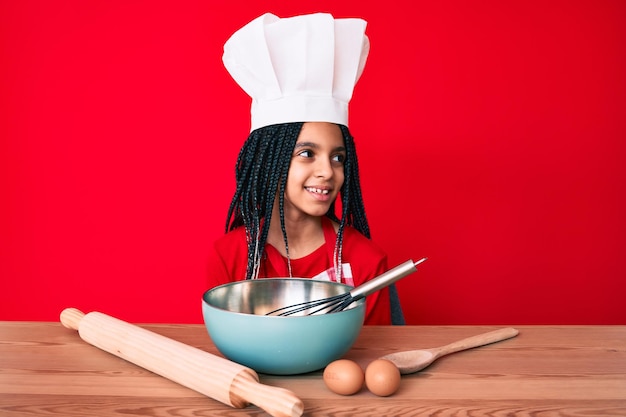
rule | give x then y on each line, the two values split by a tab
298	69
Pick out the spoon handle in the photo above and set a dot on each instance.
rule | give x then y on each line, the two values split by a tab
475	341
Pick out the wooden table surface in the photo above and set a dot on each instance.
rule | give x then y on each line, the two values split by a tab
47	370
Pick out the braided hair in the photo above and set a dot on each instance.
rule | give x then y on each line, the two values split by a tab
262	165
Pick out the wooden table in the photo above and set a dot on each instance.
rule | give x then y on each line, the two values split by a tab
46	369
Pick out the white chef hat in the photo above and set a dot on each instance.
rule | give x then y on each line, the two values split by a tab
298	69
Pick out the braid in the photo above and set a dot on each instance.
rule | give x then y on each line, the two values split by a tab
262	164
352	207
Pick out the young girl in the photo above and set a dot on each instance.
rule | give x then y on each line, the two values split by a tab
299	160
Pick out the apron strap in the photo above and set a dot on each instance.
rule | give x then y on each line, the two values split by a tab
330	236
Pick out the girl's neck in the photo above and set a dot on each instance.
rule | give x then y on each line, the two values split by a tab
304	234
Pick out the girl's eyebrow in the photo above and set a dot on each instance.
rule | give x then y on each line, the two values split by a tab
316	146
306	145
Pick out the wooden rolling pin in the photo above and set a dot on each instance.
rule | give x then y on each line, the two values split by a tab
211	375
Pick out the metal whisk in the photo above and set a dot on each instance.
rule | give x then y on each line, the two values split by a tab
342	301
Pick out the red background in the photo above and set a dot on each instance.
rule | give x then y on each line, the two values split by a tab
490	135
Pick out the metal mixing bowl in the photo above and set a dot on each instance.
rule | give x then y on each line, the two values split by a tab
234	315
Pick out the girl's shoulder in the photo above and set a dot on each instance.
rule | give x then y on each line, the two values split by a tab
229	241
355	242
367	260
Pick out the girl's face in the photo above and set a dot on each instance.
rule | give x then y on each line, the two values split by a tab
316	171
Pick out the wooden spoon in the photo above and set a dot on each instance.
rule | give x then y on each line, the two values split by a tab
414	360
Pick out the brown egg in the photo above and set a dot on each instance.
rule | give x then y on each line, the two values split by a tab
344	377
382	377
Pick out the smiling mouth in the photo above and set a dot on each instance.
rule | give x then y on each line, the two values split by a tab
317	190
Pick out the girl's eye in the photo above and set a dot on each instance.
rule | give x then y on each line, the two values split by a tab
308	154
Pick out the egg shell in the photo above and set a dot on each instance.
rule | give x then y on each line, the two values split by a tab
382	377
344	377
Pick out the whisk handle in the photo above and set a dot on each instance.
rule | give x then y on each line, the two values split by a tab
385	279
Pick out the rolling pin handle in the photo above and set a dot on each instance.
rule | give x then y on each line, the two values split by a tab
71	317
277	402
